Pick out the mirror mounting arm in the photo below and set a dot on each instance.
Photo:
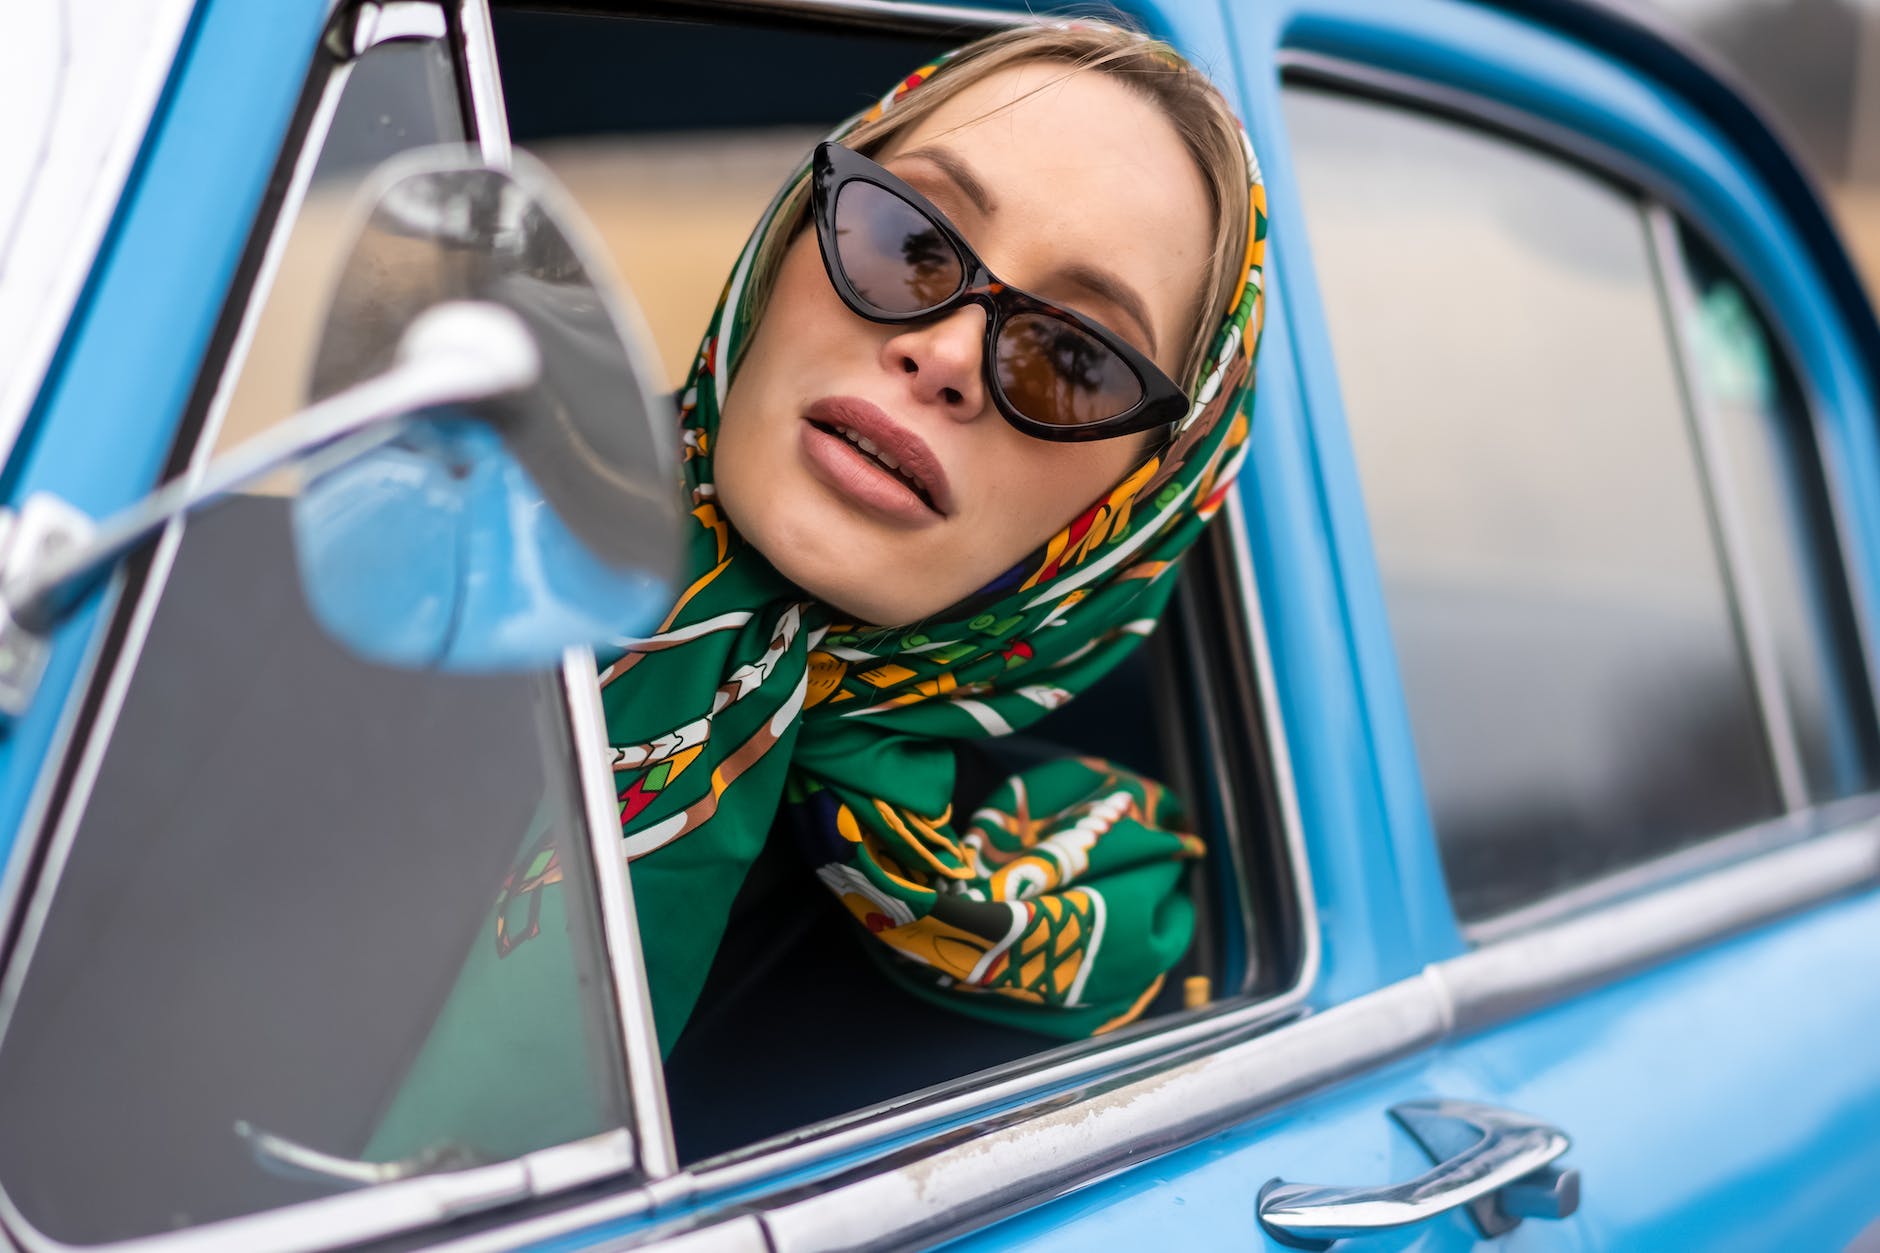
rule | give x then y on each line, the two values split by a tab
51	554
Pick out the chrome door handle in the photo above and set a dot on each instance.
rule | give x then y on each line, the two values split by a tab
1498	1163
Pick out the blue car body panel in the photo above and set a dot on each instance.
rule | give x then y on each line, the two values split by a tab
129	362
1718	1103
1695	1092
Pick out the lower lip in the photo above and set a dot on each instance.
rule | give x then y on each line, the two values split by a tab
855	476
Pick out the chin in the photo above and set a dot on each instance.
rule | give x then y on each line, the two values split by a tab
854	597
822	562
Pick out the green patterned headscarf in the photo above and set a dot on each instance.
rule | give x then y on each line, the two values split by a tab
1058	905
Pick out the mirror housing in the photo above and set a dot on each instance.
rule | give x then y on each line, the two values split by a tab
489	471
493	533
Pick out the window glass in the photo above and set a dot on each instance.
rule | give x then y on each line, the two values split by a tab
1578	693
306	897
400	95
1774	468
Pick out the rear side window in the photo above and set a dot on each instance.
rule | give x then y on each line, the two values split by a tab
1592	678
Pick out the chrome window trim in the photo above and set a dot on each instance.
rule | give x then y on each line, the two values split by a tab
1653	191
646	1076
483	85
1273	725
1748	593
382	21
1543	967
369	1213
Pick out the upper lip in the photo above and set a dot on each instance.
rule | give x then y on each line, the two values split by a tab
909	451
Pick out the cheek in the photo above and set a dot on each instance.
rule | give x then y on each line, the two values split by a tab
1040	487
759	424
1022	492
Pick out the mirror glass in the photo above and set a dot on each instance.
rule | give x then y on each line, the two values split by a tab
495	534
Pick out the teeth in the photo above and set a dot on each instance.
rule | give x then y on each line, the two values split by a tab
868	446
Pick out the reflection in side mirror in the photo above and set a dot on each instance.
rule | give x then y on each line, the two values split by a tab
496	532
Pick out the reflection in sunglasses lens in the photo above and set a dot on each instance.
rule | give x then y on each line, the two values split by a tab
1052	372
894	258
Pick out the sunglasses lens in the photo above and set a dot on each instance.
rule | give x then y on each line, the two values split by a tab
1053	372
894	258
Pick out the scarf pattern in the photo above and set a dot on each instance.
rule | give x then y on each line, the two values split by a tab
1058	905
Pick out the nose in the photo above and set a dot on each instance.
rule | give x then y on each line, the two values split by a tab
942	361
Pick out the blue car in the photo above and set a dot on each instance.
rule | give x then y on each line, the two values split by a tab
1525	693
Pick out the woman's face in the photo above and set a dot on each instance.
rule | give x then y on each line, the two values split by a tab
1067	184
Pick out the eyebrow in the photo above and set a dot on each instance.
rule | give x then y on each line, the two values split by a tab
961	173
1114	290
1098	282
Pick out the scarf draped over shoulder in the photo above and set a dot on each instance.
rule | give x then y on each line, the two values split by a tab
1058	905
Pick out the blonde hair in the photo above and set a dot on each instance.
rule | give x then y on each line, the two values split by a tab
1192	104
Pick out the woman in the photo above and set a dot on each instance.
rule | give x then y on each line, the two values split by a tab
931	508
1006	511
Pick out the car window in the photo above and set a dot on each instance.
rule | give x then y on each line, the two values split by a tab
307	924
675	179
1578	631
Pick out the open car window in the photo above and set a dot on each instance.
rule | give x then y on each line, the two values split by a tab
675	179
1608	559
310	932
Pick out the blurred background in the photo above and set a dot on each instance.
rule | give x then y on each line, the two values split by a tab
1815	65
673	177
630	153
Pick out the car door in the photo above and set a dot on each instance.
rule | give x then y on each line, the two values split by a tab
1629	593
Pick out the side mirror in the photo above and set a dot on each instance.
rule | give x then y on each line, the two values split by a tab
496	531
488	469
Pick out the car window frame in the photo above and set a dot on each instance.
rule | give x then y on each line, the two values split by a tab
70	768
1223	557
1662	206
